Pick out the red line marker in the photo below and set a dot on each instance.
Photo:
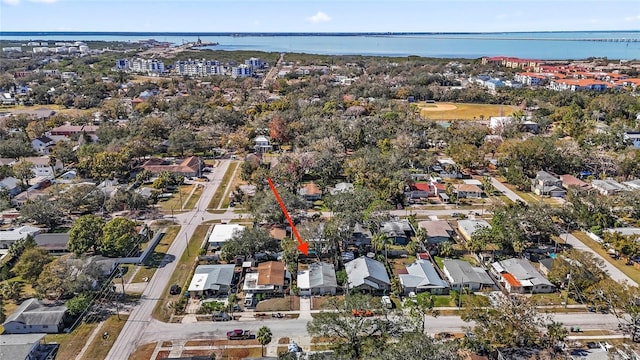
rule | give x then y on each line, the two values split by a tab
303	246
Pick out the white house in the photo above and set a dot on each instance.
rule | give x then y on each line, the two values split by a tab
42	144
262	144
212	279
319	279
421	276
42	167
468	227
367	274
8	237
608	186
32	316
519	276
462	275
222	233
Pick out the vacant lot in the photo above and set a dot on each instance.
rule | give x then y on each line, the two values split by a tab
461	111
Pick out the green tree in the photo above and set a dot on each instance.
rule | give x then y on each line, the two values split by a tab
42	211
354	337
12	290
31	263
22	171
419	307
264	337
78	304
248	242
85	234
119	238
417	345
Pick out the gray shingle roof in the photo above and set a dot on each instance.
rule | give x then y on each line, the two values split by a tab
18	346
33	312
320	275
461	271
360	270
422	274
522	270
212	276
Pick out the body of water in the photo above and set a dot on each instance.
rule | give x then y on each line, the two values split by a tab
533	45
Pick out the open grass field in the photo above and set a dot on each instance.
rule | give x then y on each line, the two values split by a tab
71	344
462	111
100	347
177	200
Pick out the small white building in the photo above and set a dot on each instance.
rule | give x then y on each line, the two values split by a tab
319	279
222	233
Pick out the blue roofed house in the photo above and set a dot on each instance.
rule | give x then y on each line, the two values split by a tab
32	316
422	276
211	280
367	274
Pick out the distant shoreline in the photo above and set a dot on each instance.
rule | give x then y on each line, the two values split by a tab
151	33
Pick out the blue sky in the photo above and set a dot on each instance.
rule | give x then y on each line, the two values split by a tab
318	16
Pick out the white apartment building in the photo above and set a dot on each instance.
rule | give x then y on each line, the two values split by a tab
242	70
198	67
147	65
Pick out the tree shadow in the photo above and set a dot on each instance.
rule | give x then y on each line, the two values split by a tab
158	260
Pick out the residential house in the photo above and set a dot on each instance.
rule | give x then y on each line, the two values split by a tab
461	274
43	166
33	316
271	278
262	144
310	192
633	138
400	231
546	184
468	227
26	347
632	185
54	243
438	231
419	191
8	237
189	167
341	188
570	180
497	123
222	233
467	191
318	279
11	185
475	182
209	280
608	186
64	132
25	196
546	265
366	274
7	99
42	145
519	276
360	236
422	276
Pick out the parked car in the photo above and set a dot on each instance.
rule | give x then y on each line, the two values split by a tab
175	289
386	301
239	334
220	316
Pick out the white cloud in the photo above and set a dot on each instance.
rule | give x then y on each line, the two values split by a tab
319	17
11	2
632	18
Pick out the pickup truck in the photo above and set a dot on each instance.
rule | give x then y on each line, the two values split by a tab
239	334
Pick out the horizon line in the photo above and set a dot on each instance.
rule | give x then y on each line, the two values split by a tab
285	33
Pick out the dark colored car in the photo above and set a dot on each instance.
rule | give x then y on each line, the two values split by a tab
175	289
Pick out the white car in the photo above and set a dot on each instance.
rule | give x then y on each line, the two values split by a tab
386	301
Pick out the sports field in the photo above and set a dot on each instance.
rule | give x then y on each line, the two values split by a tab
462	111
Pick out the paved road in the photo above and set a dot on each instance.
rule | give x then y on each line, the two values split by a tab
141	314
613	271
158	331
273	72
507	192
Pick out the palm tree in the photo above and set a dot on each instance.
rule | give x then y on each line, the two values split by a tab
264	337
380	241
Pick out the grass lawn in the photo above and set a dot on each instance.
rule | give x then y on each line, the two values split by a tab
252	352
630	271
287	303
318	303
152	263
550	299
71	344
439	261
100	347
175	201
462	111
193	199
234	182
181	274
143	352
217	197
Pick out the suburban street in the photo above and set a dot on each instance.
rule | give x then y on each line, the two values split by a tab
141	328
139	318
